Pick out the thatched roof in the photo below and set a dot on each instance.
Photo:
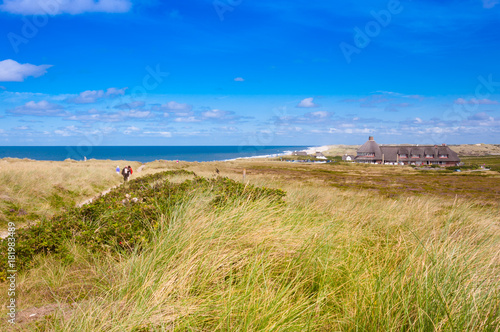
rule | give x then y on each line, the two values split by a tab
370	147
392	153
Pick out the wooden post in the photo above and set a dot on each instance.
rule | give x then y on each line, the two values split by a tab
383	159
244	174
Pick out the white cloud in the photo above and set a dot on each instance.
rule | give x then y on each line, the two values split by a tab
350	131
187	119
418	120
66	131
42	108
474	101
91	96
480	116
12	71
94	115
227	129
136	114
159	133
239	79
87	97
72	7
131	105
175	106
318	117
113	92
74	131
131	130
214	114
307	103
319	114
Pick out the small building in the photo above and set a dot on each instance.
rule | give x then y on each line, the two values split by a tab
299	153
373	153
348	157
319	155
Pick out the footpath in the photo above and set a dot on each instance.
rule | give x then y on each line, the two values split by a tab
5	233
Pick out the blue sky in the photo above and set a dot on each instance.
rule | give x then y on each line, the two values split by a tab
240	72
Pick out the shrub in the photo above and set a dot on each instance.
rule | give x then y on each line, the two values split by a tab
116	223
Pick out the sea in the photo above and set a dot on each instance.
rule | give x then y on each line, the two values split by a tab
145	153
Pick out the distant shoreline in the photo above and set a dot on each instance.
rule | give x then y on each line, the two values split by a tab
145	153
309	150
199	153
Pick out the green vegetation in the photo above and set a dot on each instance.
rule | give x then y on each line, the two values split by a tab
204	252
305	158
491	162
118	221
44	188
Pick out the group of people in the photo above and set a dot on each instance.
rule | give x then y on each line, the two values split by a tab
126	172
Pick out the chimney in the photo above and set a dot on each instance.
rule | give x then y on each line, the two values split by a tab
370	138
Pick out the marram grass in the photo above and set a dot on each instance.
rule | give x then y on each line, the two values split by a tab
326	260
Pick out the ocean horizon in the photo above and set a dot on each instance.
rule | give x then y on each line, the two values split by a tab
144	153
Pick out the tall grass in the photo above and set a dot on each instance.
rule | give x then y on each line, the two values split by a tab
42	188
326	260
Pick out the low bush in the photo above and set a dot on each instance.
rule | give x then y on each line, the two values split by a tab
125	218
463	167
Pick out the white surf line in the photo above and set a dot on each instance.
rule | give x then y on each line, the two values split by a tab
313	150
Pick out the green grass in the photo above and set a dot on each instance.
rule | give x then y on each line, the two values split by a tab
492	162
223	256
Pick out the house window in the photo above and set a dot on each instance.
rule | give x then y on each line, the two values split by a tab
429	156
415	156
443	156
403	155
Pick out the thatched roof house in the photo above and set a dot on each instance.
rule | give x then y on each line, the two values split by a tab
319	155
371	152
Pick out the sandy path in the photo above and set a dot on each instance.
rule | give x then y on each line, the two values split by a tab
88	201
4	234
105	192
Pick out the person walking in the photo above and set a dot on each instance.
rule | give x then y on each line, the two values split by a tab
118	170
125	173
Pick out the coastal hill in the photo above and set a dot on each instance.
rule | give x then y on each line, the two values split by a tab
476	149
287	246
461	149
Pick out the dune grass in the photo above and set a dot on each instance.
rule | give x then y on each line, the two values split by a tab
30	190
326	260
491	162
